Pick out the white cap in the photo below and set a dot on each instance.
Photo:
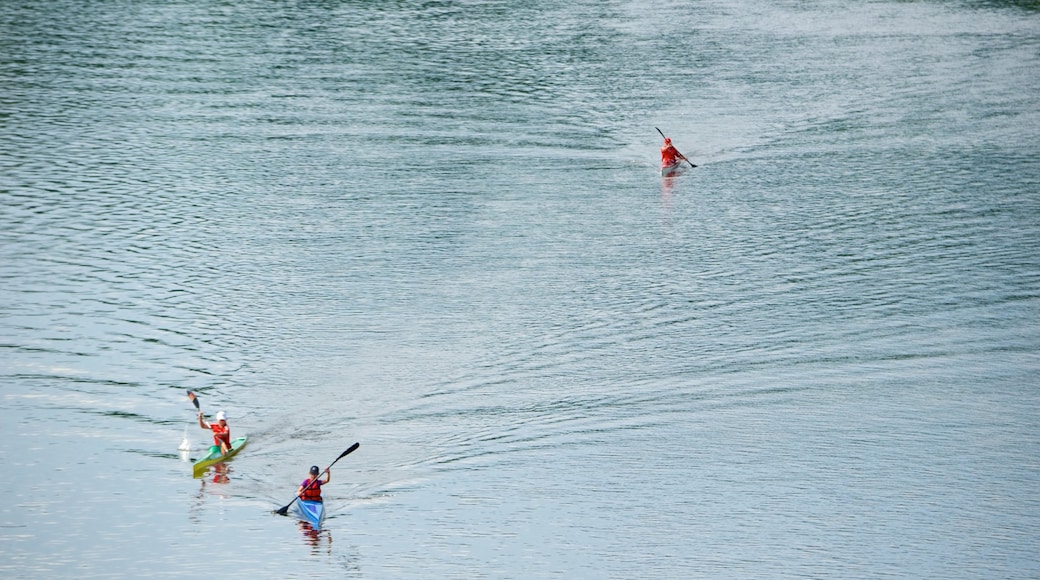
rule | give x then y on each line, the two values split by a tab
221	416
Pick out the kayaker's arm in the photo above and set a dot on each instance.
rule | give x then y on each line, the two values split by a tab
683	157
202	423
328	476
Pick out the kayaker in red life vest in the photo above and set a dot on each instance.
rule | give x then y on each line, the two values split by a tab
310	488
670	155
221	431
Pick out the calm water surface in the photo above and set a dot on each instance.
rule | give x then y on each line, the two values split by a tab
438	229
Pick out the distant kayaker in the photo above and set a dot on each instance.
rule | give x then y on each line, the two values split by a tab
310	488
221	431
670	155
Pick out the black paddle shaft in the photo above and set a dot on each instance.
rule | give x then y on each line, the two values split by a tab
284	510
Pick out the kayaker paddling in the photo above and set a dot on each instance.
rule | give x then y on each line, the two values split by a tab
310	488
223	447
670	156
221	431
314	511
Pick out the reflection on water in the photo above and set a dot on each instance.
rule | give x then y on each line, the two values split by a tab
319	540
667	185
220	473
211	485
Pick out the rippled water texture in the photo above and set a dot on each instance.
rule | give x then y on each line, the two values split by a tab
438	229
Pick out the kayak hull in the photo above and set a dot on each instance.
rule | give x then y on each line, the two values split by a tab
312	512
214	456
672	169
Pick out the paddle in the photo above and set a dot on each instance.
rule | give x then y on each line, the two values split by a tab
194	400
285	510
681	156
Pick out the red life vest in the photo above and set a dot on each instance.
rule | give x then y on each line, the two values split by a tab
669	155
221	433
312	493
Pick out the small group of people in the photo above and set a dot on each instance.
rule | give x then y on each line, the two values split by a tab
310	488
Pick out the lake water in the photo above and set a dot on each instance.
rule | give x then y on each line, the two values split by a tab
439	229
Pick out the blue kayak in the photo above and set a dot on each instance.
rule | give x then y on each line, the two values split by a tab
312	512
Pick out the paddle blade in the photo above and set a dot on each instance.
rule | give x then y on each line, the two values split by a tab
282	511
352	449
193	399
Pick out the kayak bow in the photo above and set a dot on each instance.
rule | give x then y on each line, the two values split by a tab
214	456
312	512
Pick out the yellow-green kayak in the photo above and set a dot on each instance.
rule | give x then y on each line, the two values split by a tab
214	456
